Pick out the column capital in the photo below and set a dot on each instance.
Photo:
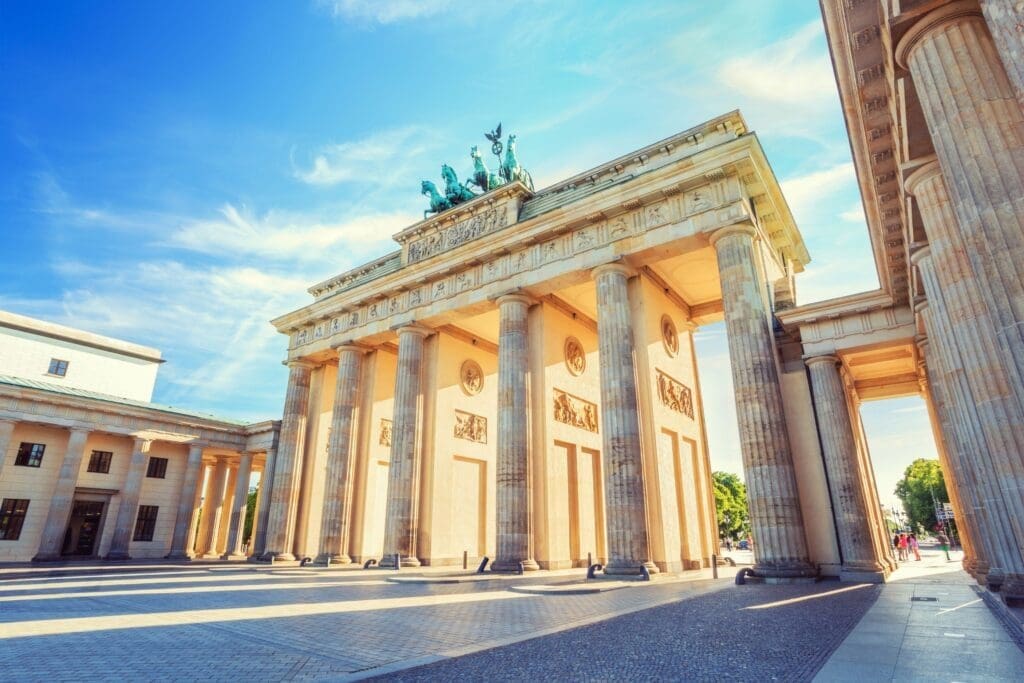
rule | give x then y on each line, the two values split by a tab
141	444
737	229
516	296
350	345
961	10
77	430
613	267
920	254
293	363
825	358
923	173
413	328
921	306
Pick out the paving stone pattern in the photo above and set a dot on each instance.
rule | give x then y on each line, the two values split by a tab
715	636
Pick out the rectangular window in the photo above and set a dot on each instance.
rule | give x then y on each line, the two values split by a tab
99	461
157	468
30	454
145	523
58	367
12	516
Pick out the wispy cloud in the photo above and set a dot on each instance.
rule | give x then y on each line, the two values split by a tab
386	11
378	158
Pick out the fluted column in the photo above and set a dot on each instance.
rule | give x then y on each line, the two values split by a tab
400	521
63	496
1005	19
188	504
849	499
991	444
124	525
334	534
6	432
977	128
236	526
514	518
629	546
263	508
284	499
780	546
216	494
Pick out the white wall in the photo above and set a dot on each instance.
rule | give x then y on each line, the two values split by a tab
27	355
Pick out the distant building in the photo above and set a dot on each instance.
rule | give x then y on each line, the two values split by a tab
89	467
37	350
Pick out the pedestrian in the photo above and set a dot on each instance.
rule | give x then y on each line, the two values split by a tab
903	547
896	545
728	544
943	543
914	547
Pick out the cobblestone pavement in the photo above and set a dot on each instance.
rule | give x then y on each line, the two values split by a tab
223	622
750	633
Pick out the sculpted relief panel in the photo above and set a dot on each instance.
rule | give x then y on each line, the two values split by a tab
479	225
575	411
470	427
675	395
385	432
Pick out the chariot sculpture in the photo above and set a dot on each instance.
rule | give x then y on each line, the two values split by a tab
456	193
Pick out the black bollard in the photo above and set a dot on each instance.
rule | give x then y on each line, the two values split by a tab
592	569
369	563
483	565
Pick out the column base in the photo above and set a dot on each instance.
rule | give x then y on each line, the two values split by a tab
210	555
786	573
627	568
117	556
388	562
327	559
47	557
180	556
1012	590
863	575
994	579
270	556
234	556
512	566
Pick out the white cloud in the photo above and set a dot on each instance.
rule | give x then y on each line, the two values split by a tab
855	214
808	194
288	236
386	11
379	158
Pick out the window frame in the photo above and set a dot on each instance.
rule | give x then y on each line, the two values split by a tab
156	468
99	462
30	458
145	523
58	367
12	516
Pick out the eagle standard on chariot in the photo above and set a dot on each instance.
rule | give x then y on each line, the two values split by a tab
456	193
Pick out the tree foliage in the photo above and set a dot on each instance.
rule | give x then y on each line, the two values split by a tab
731	504
920	481
250	513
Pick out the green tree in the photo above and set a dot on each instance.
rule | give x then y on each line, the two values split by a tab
250	512
731	504
922	484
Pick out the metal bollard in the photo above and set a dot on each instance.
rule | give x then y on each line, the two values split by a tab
593	568
520	569
304	561
741	576
465	559
398	561
483	565
714	566
369	563
645	575
590	560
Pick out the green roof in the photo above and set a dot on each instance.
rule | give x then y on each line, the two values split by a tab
107	398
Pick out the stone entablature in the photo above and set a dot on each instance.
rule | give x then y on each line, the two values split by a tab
849	322
676	199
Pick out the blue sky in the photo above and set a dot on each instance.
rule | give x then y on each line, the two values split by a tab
177	174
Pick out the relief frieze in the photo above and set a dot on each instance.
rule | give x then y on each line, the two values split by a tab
470	427
385	432
675	395
575	411
479	225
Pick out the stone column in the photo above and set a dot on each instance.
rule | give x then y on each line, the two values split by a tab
849	499
514	518
263	509
63	497
188	504
334	534
977	128
963	326
400	523
124	525
629	547
6	432
1005	19
215	507
236	526
780	546
288	464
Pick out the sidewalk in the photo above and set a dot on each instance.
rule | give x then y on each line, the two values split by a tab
928	624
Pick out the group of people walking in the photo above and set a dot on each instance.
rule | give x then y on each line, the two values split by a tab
906	544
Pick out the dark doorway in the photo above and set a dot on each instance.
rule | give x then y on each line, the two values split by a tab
83	528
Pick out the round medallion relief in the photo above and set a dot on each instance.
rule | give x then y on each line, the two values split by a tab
669	335
472	377
575	357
